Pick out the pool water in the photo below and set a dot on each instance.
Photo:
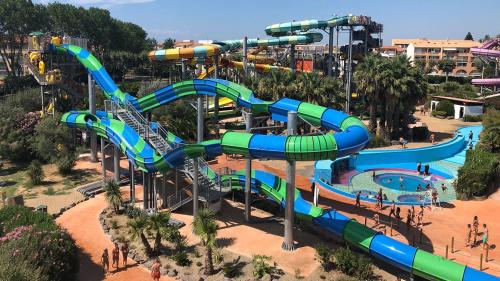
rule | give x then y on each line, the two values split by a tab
408	182
413	198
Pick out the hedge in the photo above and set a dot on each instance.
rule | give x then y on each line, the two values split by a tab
437	113
477	174
447	107
34	242
473	118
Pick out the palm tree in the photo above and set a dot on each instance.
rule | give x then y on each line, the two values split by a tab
367	83
447	66
205	228
158	223
137	226
113	194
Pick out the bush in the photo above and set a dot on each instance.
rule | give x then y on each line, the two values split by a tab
181	259
33	240
477	174
35	172
353	264
437	113
261	266
447	107
378	141
324	256
473	118
66	163
420	133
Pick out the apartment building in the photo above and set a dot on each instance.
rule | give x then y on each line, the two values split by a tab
430	52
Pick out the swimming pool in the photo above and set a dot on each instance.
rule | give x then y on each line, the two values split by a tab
401	182
412	198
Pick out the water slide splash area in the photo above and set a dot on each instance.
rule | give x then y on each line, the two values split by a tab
351	136
490	49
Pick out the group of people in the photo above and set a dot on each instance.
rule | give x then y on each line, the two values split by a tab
410	217
115	255
426	169
473	233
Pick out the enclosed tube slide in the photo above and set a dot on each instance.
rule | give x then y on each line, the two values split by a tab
281	29
351	136
487	50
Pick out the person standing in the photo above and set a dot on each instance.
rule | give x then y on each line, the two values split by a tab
485	237
432	138
116	256
155	270
125	250
468	236
420	216
105	261
471	136
393	210
408	220
426	169
412	209
419	167
358	199
475	228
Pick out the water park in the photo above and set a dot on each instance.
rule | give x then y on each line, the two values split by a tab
311	152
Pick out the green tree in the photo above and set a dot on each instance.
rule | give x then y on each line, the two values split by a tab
261	266
205	227
55	143
366	80
35	172
169	43
137	227
159	224
17	19
446	66
113	194
469	37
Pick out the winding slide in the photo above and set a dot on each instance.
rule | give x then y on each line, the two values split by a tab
487	50
350	137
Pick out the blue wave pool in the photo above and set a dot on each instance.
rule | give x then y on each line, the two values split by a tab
401	182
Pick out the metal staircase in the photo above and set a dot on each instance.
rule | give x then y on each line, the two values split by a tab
209	190
33	70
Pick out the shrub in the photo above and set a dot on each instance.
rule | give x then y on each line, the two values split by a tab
353	264
114	224
35	172
66	163
473	118
378	141
261	266
33	240
420	133
181	259
437	113
447	107
324	256
477	173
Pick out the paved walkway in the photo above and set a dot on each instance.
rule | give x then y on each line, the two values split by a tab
440	224
82	222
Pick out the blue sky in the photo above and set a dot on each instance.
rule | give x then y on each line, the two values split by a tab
233	19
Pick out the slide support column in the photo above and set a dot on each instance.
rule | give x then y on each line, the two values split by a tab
155	192
330	51
103	161
248	173
164	190
116	159
349	74
216	98
245	58
145	185
290	188
92	109
183	69
292	58
196	161
132	182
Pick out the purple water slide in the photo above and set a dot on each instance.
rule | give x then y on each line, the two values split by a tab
485	52
486	82
490	44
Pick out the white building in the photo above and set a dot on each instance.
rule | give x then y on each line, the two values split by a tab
462	106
